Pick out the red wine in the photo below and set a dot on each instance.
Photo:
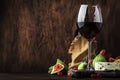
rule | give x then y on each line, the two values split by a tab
89	29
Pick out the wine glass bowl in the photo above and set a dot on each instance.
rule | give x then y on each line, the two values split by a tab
89	23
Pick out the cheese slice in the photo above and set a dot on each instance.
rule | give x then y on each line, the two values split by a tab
106	66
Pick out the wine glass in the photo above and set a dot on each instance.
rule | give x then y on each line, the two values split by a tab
89	23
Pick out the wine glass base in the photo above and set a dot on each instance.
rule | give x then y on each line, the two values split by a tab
89	68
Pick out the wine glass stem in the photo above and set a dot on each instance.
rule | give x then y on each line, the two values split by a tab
89	54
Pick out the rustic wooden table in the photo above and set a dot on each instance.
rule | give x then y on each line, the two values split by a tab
7	76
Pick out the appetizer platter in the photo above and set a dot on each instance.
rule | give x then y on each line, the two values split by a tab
102	66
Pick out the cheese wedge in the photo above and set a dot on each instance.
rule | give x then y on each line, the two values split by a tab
107	66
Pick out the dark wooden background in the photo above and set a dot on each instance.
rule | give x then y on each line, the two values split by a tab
34	33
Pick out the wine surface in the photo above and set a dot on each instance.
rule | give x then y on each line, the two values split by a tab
89	29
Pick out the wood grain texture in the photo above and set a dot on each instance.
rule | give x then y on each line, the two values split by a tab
34	33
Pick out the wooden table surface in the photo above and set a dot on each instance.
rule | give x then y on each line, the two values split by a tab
7	76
